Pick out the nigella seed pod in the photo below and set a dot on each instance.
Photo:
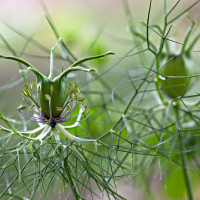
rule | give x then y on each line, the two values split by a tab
58	94
180	65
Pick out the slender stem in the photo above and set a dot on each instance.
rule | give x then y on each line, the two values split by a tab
167	14
72	69
52	57
187	34
17	59
159	51
158	80
147	31
184	162
35	71
143	38
71	182
193	43
12	128
183	12
78	62
165	24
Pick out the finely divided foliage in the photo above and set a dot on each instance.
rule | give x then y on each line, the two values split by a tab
145	122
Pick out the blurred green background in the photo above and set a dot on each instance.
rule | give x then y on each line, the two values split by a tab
91	28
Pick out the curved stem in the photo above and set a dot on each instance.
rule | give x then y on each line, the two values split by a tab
71	69
193	43
17	59
35	71
147	31
172	20
78	62
184	162
187	34
52	57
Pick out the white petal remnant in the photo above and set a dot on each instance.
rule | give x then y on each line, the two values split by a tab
40	128
44	133
55	133
70	136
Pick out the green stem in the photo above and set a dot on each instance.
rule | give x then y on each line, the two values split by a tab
184	162
69	177
78	62
76	195
172	20
158	80
17	59
193	43
159	51
147	30
72	69
187	34
52	57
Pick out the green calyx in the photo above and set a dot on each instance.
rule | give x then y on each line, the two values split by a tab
179	66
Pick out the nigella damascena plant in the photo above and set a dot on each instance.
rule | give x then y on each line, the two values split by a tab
55	102
178	65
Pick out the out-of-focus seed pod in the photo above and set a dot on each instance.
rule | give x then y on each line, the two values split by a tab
180	65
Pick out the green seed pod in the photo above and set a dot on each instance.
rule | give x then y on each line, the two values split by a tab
179	65
58	95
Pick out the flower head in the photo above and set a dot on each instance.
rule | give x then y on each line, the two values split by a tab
55	101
